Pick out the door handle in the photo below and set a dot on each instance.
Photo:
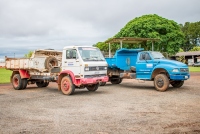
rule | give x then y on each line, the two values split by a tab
65	61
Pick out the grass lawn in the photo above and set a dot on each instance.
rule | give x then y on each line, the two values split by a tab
194	69
5	75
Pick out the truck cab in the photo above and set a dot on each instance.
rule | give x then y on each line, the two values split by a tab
149	61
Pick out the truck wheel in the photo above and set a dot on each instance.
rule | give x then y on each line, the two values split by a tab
24	83
17	82
67	86
102	83
45	84
50	62
42	84
93	87
177	84
161	82
116	81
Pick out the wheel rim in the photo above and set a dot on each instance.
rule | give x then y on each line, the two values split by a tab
160	82
16	81
53	63
65	85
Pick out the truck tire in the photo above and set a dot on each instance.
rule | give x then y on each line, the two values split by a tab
93	87
177	84
116	81
45	84
102	83
161	82
67	86
39	83
24	83
50	62
42	84
17	82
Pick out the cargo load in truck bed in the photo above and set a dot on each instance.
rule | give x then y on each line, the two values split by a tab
41	61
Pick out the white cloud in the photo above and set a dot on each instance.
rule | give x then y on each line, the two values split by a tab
32	24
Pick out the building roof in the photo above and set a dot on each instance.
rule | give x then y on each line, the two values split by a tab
197	53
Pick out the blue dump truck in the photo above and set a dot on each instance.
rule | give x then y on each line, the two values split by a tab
146	65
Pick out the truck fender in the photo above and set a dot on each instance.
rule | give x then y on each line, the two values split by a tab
63	74
159	71
23	73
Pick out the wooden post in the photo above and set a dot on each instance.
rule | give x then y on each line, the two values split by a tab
152	46
121	44
193	58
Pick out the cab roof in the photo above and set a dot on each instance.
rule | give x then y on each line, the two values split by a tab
76	46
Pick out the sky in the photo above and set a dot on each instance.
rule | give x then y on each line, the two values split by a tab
27	25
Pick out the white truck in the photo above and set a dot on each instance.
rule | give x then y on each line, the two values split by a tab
74	67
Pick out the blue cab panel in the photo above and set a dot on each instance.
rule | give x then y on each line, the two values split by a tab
124	58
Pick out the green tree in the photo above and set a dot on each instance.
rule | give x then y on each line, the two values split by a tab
191	34
102	46
196	48
29	54
153	26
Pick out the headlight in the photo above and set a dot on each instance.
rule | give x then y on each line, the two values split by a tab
105	68
175	70
87	69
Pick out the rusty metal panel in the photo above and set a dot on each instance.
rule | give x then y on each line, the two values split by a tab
7	64
24	64
17	63
36	63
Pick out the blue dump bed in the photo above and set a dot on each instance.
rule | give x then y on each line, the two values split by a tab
123	58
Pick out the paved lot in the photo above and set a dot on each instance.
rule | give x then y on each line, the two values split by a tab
130	107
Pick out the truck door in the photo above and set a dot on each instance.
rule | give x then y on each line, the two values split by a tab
144	66
70	61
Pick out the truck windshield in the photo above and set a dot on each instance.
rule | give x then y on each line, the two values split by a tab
157	55
90	54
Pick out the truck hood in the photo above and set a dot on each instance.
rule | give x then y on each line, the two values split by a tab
171	62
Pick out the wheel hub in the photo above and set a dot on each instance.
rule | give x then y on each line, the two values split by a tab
16	82
160	82
66	85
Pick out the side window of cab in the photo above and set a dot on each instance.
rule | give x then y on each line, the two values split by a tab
71	54
145	56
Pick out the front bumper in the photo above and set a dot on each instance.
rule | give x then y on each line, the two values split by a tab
95	80
179	77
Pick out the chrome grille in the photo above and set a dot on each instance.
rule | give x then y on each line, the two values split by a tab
96	75
97	68
184	70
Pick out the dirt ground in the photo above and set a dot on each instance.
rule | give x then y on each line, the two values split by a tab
130	107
